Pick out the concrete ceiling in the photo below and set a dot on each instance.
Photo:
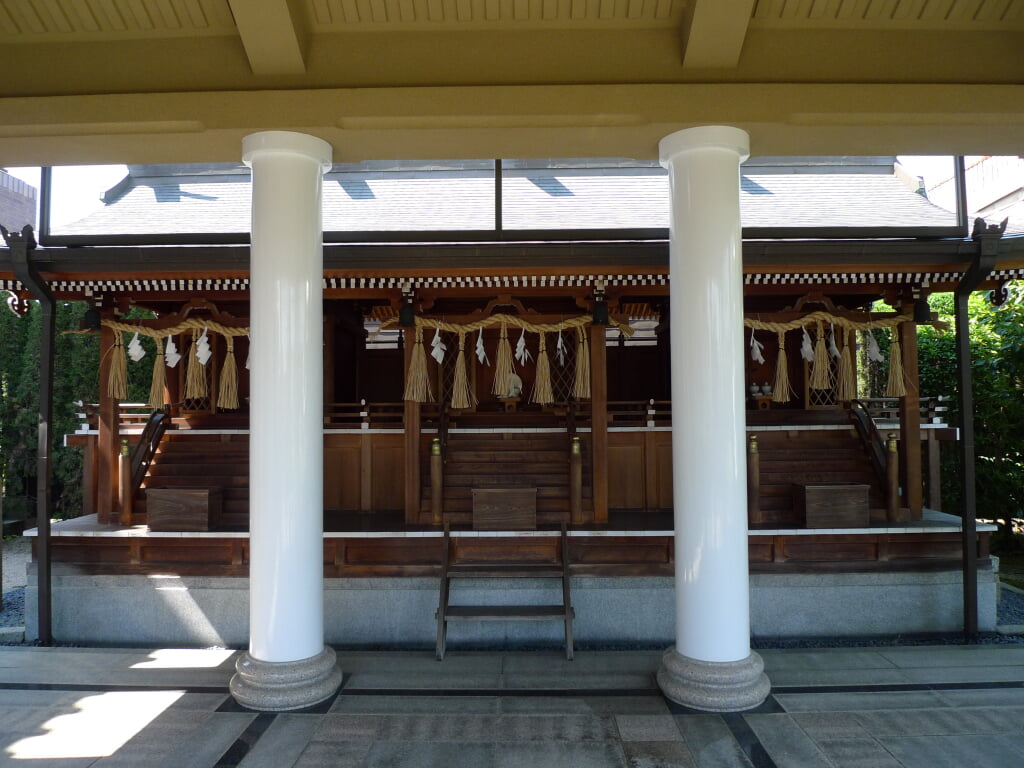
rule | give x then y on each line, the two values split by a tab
146	81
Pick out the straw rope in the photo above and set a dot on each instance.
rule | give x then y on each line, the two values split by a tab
846	387
781	393
503	365
189	324
581	378
890	321
227	398
820	367
195	376
895	387
542	384
510	320
417	385
462	393
156	386
117	387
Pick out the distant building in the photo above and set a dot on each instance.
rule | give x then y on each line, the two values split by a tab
17	202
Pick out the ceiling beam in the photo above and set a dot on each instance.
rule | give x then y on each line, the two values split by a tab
713	32
274	35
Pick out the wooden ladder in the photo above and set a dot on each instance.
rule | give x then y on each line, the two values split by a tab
449	571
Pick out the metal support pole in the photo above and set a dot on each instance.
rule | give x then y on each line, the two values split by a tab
21	244
984	261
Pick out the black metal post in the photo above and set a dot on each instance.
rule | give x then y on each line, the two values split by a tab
21	245
984	261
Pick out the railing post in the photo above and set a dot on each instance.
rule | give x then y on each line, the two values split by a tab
124	463
753	480
436	482
576	481
892	478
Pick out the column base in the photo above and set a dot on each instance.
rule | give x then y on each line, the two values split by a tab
713	686
279	686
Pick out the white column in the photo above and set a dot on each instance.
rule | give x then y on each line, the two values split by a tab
711	666
287	666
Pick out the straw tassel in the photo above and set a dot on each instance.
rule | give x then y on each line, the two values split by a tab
781	390
846	388
195	377
417	385
227	398
542	385
895	387
156	387
462	395
118	385
503	366
819	371
581	381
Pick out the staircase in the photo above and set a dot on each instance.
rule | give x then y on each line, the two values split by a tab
506	460
802	457
185	460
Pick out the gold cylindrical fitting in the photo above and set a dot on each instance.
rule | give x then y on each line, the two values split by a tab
752	444
125	450
435	447
890	442
576	447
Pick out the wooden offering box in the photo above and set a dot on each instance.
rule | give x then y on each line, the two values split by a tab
511	509
832	505
182	509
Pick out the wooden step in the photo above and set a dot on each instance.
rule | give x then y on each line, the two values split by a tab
506	613
504	571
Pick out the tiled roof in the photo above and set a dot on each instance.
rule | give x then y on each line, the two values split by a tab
610	198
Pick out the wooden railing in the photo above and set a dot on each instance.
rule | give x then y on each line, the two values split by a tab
134	461
933	409
640	413
884	455
130	415
363	415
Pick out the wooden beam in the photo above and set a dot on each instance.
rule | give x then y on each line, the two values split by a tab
412	448
274	35
910	424
599	421
108	443
713	32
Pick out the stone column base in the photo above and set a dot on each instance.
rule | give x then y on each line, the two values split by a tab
278	686
713	686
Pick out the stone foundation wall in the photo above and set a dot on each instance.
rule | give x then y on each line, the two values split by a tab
399	612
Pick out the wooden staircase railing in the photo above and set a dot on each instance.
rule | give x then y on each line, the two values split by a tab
884	453
133	462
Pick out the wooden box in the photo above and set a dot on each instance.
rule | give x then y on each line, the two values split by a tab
182	509
832	505
504	509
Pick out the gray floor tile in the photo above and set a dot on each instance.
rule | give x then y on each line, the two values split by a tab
947	656
411	754
786	742
627	705
282	743
548	705
335	727
435	681
591	755
338	754
830	725
497	728
412	705
972	674
421	662
837	677
955	751
830	659
857	753
597	662
928	722
207	743
710	742
985	697
657	754
623	681
648	728
851	702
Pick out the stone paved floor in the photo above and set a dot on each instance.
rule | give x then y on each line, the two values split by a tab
917	707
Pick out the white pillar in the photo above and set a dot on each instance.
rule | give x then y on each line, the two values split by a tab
288	665
711	666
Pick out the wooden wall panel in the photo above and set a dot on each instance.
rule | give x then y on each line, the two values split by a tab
342	464
663	463
626	471
387	467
